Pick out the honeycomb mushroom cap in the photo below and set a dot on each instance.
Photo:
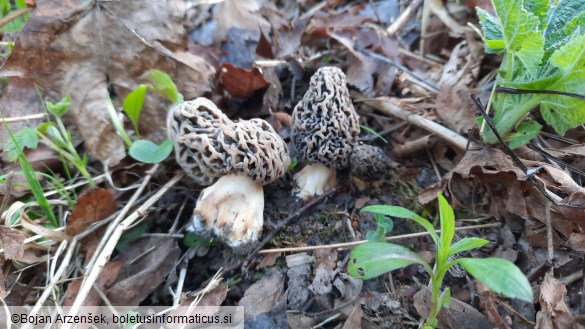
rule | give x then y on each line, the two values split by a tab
325	124
370	163
209	145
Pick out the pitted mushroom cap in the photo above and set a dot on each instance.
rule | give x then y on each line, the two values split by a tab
325	124
370	163
209	145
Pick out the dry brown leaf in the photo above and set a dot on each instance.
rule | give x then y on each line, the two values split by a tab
354	320
263	295
489	178
146	264
577	242
241	83
78	48
554	313
18	98
91	207
239	14
12	242
268	260
107	277
454	104
326	257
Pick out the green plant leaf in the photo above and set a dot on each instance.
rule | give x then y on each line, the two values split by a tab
400	212
60	108
148	152
445	298
562	21
447	228
500	275
373	259
540	9
466	244
162	84
26	137
523	39
563	112
526	131
133	105
492	32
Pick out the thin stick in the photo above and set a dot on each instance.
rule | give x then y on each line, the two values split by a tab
549	237
24	118
355	243
284	222
403	18
105	254
56	278
383	105
15	15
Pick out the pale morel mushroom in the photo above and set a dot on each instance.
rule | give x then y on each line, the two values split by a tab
325	126
237	158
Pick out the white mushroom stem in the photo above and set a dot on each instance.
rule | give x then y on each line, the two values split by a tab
315	179
233	208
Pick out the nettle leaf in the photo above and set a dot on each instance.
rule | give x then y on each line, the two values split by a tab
564	112
492	32
540	9
373	259
500	275
148	152
26	137
562	21
400	212
526	131
133	104
466	244
524	42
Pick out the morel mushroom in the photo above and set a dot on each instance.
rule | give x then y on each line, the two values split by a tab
325	126
369	166
238	158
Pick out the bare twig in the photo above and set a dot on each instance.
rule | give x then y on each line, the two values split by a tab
16	14
385	106
24	118
355	243
403	18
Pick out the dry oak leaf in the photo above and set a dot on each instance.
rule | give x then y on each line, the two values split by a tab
263	295
554	312
78	48
12	242
91	207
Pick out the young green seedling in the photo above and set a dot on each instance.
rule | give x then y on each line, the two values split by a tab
543	50
141	149
54	135
373	259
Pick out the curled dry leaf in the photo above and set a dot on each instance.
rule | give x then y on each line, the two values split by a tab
77	48
511	193
263	295
554	312
12	242
241	83
454	105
